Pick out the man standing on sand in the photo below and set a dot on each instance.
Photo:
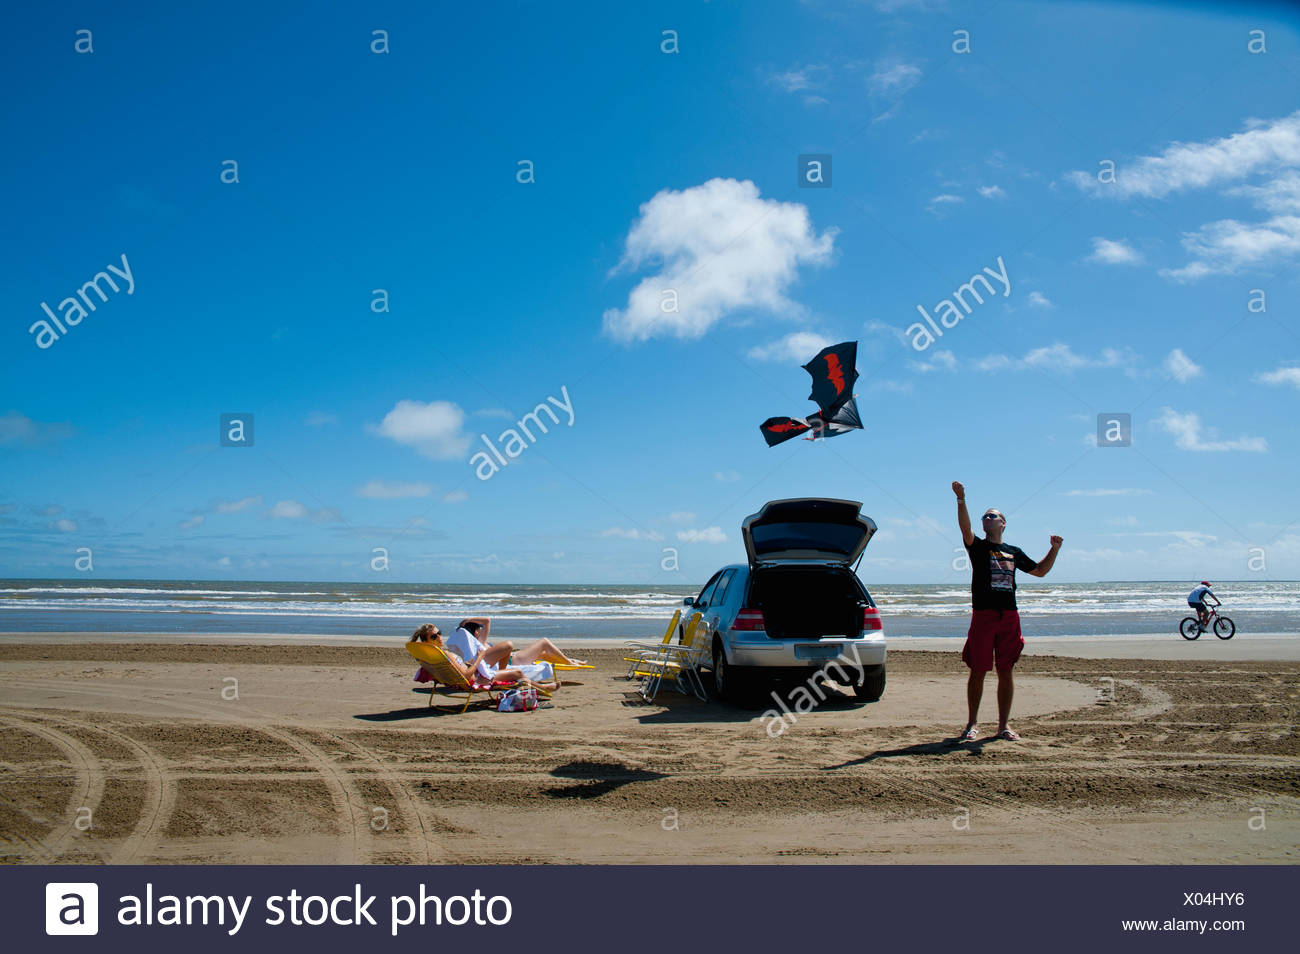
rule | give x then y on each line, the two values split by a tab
994	635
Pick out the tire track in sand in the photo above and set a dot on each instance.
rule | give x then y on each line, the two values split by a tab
89	790
347	801
160	791
407	807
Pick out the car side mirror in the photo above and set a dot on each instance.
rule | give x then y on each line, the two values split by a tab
689	601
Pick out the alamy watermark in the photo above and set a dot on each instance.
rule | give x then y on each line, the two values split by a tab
76	307
811	693
513	441
925	333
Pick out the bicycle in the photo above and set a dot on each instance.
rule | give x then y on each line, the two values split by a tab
1191	627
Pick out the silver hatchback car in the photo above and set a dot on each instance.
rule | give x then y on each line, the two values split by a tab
797	605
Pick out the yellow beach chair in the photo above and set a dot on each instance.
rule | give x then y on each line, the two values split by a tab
679	662
434	661
640	648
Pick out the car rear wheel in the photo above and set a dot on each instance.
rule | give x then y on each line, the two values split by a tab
872	685
731	683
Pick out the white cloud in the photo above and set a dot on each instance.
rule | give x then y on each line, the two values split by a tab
1189	434
946	198
726	476
630	533
941	360
1263	146
1181	366
1107	555
876	327
16	428
1281	195
1039	300
797	346
288	510
64	525
224	561
455	496
682	516
380	490
796	80
893	77
893	6
433	429
992	192
1194	537
707	535
994	362
1113	252
320	419
194	521
235	506
1227	246
1060	358
722	248
1057	358
897	387
1126	521
1111	492
1288	374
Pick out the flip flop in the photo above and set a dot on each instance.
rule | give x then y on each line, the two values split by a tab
970	735
1009	735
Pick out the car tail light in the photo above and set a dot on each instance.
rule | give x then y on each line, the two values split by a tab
748	620
871	618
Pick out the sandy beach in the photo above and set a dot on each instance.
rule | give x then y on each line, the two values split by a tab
236	750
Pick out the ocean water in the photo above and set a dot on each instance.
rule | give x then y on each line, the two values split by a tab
391	610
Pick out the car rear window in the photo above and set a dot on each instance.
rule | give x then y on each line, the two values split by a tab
806	536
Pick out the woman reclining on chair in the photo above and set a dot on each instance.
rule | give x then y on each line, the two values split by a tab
537	673
470	642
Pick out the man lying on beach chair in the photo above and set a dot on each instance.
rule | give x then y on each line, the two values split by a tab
442	666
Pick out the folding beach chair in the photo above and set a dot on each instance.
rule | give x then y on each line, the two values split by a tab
569	667
679	662
434	661
639	649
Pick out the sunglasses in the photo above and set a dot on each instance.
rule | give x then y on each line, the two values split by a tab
993	516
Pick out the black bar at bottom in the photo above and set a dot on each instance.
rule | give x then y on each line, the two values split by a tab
625	908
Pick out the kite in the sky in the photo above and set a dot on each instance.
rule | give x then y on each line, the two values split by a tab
834	372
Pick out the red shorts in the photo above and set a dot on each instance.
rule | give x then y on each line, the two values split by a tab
993	632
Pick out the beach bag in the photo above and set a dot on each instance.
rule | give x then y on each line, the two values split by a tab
518	700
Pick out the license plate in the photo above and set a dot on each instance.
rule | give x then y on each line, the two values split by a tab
816	652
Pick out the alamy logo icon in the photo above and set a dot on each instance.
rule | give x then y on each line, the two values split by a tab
236	430
71	907
1114	430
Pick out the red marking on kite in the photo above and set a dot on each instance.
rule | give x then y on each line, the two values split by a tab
835	372
788	426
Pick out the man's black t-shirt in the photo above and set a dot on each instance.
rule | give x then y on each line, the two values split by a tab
993	573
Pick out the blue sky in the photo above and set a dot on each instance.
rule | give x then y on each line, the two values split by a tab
663	146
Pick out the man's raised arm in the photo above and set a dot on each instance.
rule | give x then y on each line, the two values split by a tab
963	518
1046	563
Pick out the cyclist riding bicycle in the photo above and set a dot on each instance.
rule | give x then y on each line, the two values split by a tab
1196	600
